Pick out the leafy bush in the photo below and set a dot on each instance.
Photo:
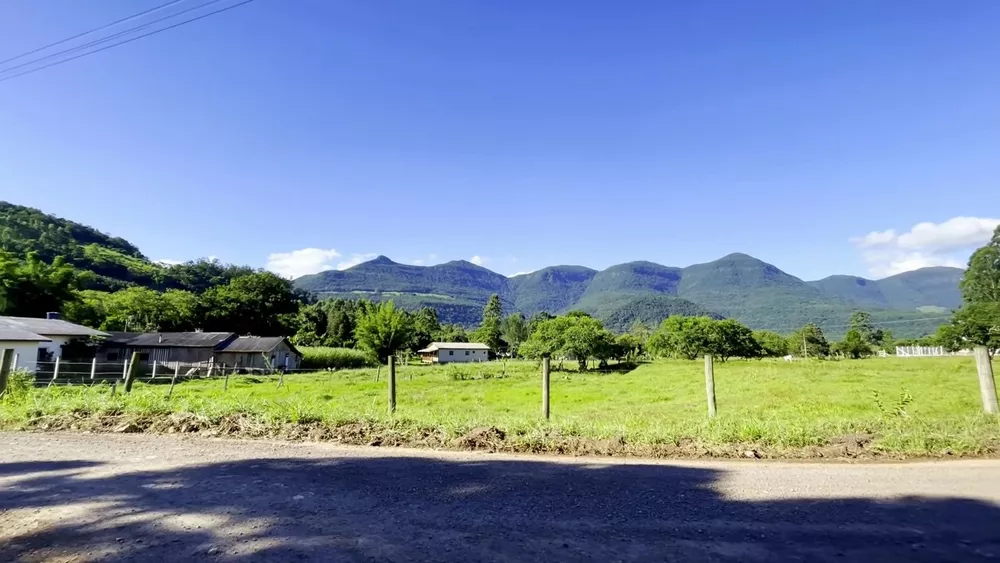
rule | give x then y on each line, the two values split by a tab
19	384
322	357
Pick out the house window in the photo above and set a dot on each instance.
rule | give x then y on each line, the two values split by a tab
112	356
451	352
466	352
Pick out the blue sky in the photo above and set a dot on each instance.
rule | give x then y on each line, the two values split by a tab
824	137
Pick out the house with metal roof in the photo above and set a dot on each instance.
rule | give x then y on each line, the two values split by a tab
261	352
54	333
165	347
24	345
202	349
453	352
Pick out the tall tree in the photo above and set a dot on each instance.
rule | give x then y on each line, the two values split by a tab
514	331
809	340
772	344
577	337
854	345
33	288
683	337
261	304
861	322
139	309
451	333
981	282
312	325
733	340
425	327
489	331
383	329
977	323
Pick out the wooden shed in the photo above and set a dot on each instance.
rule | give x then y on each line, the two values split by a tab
185	348
260	352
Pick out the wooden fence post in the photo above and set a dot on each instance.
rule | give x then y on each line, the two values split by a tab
173	380
392	384
225	385
133	372
13	366
125	368
710	384
6	360
153	375
987	385
93	368
545	387
55	372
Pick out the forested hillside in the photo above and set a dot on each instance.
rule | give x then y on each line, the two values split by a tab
936	286
107	263
738	286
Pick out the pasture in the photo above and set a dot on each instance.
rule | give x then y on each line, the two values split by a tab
879	407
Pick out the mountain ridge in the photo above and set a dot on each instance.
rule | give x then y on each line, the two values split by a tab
736	285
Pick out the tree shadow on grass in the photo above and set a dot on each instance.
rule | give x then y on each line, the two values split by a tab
417	509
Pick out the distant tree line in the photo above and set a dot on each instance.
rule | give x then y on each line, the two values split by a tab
214	297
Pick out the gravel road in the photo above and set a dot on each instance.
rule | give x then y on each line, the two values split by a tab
140	497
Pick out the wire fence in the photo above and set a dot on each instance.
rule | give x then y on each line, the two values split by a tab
64	373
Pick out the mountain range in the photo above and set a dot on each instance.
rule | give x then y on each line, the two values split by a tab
737	285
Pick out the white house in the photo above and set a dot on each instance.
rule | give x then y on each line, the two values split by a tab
447	352
24	344
54	331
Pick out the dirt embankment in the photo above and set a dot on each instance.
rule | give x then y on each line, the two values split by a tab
492	439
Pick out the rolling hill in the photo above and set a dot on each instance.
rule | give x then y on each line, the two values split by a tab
936	286
739	286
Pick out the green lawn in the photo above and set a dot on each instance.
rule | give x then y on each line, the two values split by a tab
896	407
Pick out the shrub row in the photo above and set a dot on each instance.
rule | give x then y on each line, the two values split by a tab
322	357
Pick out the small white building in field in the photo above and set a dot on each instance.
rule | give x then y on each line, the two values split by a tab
25	346
449	352
54	332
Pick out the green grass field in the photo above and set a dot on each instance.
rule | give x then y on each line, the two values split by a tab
876	407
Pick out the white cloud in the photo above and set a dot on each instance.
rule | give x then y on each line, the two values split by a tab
520	273
354	260
926	244
428	260
168	262
312	260
477	260
301	262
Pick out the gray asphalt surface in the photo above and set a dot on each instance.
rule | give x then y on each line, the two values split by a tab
84	497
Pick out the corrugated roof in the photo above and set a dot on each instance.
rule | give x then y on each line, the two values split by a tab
121	337
253	344
14	335
48	327
435	346
172	339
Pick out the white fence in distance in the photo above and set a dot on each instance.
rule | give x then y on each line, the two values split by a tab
927	352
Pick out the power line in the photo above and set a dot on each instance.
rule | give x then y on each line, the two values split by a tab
96	29
136	38
107	38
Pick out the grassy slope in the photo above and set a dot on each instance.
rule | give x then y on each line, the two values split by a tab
778	408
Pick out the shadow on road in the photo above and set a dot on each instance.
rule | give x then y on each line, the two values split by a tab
415	509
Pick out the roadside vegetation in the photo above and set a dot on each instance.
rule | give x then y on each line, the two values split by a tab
874	408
